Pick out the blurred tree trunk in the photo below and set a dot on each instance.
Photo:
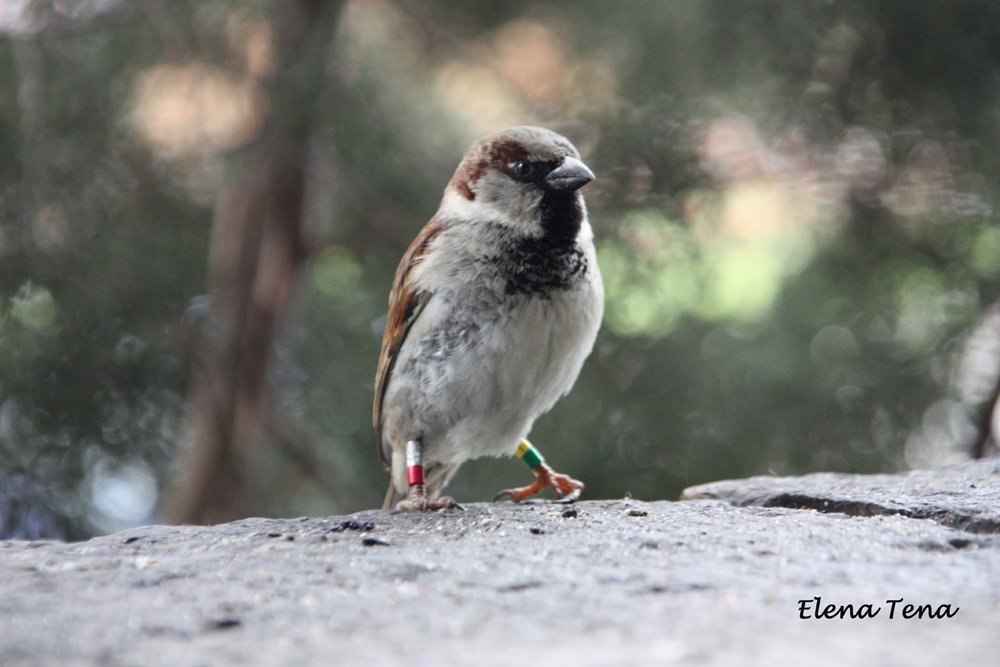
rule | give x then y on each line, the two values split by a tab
979	379
255	260
986	445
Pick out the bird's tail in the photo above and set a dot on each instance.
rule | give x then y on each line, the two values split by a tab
392	497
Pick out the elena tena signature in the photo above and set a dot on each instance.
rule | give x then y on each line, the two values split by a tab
814	608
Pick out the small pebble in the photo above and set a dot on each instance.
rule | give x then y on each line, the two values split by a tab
635	512
571	513
535	530
352	524
374	542
226	623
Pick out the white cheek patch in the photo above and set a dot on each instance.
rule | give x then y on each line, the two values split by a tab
456	208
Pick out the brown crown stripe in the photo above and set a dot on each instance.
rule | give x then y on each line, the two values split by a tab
496	155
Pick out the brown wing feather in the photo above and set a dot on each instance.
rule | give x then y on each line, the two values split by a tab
405	304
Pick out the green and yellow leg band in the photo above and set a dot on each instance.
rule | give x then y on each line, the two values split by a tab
527	452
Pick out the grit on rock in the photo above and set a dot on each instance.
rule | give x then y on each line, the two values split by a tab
715	580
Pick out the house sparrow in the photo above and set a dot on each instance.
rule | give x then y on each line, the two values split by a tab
493	310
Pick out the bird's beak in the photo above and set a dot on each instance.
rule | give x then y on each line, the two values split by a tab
571	175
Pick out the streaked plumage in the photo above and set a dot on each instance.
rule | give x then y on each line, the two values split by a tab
493	310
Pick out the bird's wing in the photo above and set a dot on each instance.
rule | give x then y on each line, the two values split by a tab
405	304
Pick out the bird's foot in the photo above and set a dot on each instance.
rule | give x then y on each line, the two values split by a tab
417	501
565	488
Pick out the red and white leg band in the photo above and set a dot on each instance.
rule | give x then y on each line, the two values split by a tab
414	462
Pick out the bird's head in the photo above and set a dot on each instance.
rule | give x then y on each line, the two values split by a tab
526	177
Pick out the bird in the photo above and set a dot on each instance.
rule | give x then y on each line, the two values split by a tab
493	310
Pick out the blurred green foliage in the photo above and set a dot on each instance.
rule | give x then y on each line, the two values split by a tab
795	213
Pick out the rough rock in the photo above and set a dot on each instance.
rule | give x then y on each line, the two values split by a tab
965	496
716	580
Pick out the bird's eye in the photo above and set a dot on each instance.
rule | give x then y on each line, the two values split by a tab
523	169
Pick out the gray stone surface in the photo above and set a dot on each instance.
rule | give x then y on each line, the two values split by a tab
705	582
966	496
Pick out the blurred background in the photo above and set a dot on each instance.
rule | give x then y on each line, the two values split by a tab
202	204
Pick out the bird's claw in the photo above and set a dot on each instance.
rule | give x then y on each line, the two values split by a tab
417	501
506	493
566	489
573	495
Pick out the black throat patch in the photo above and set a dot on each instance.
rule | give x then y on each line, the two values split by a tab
554	261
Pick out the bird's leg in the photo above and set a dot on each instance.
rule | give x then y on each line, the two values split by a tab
565	487
416	498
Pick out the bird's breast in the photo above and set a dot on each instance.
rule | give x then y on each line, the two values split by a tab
501	338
